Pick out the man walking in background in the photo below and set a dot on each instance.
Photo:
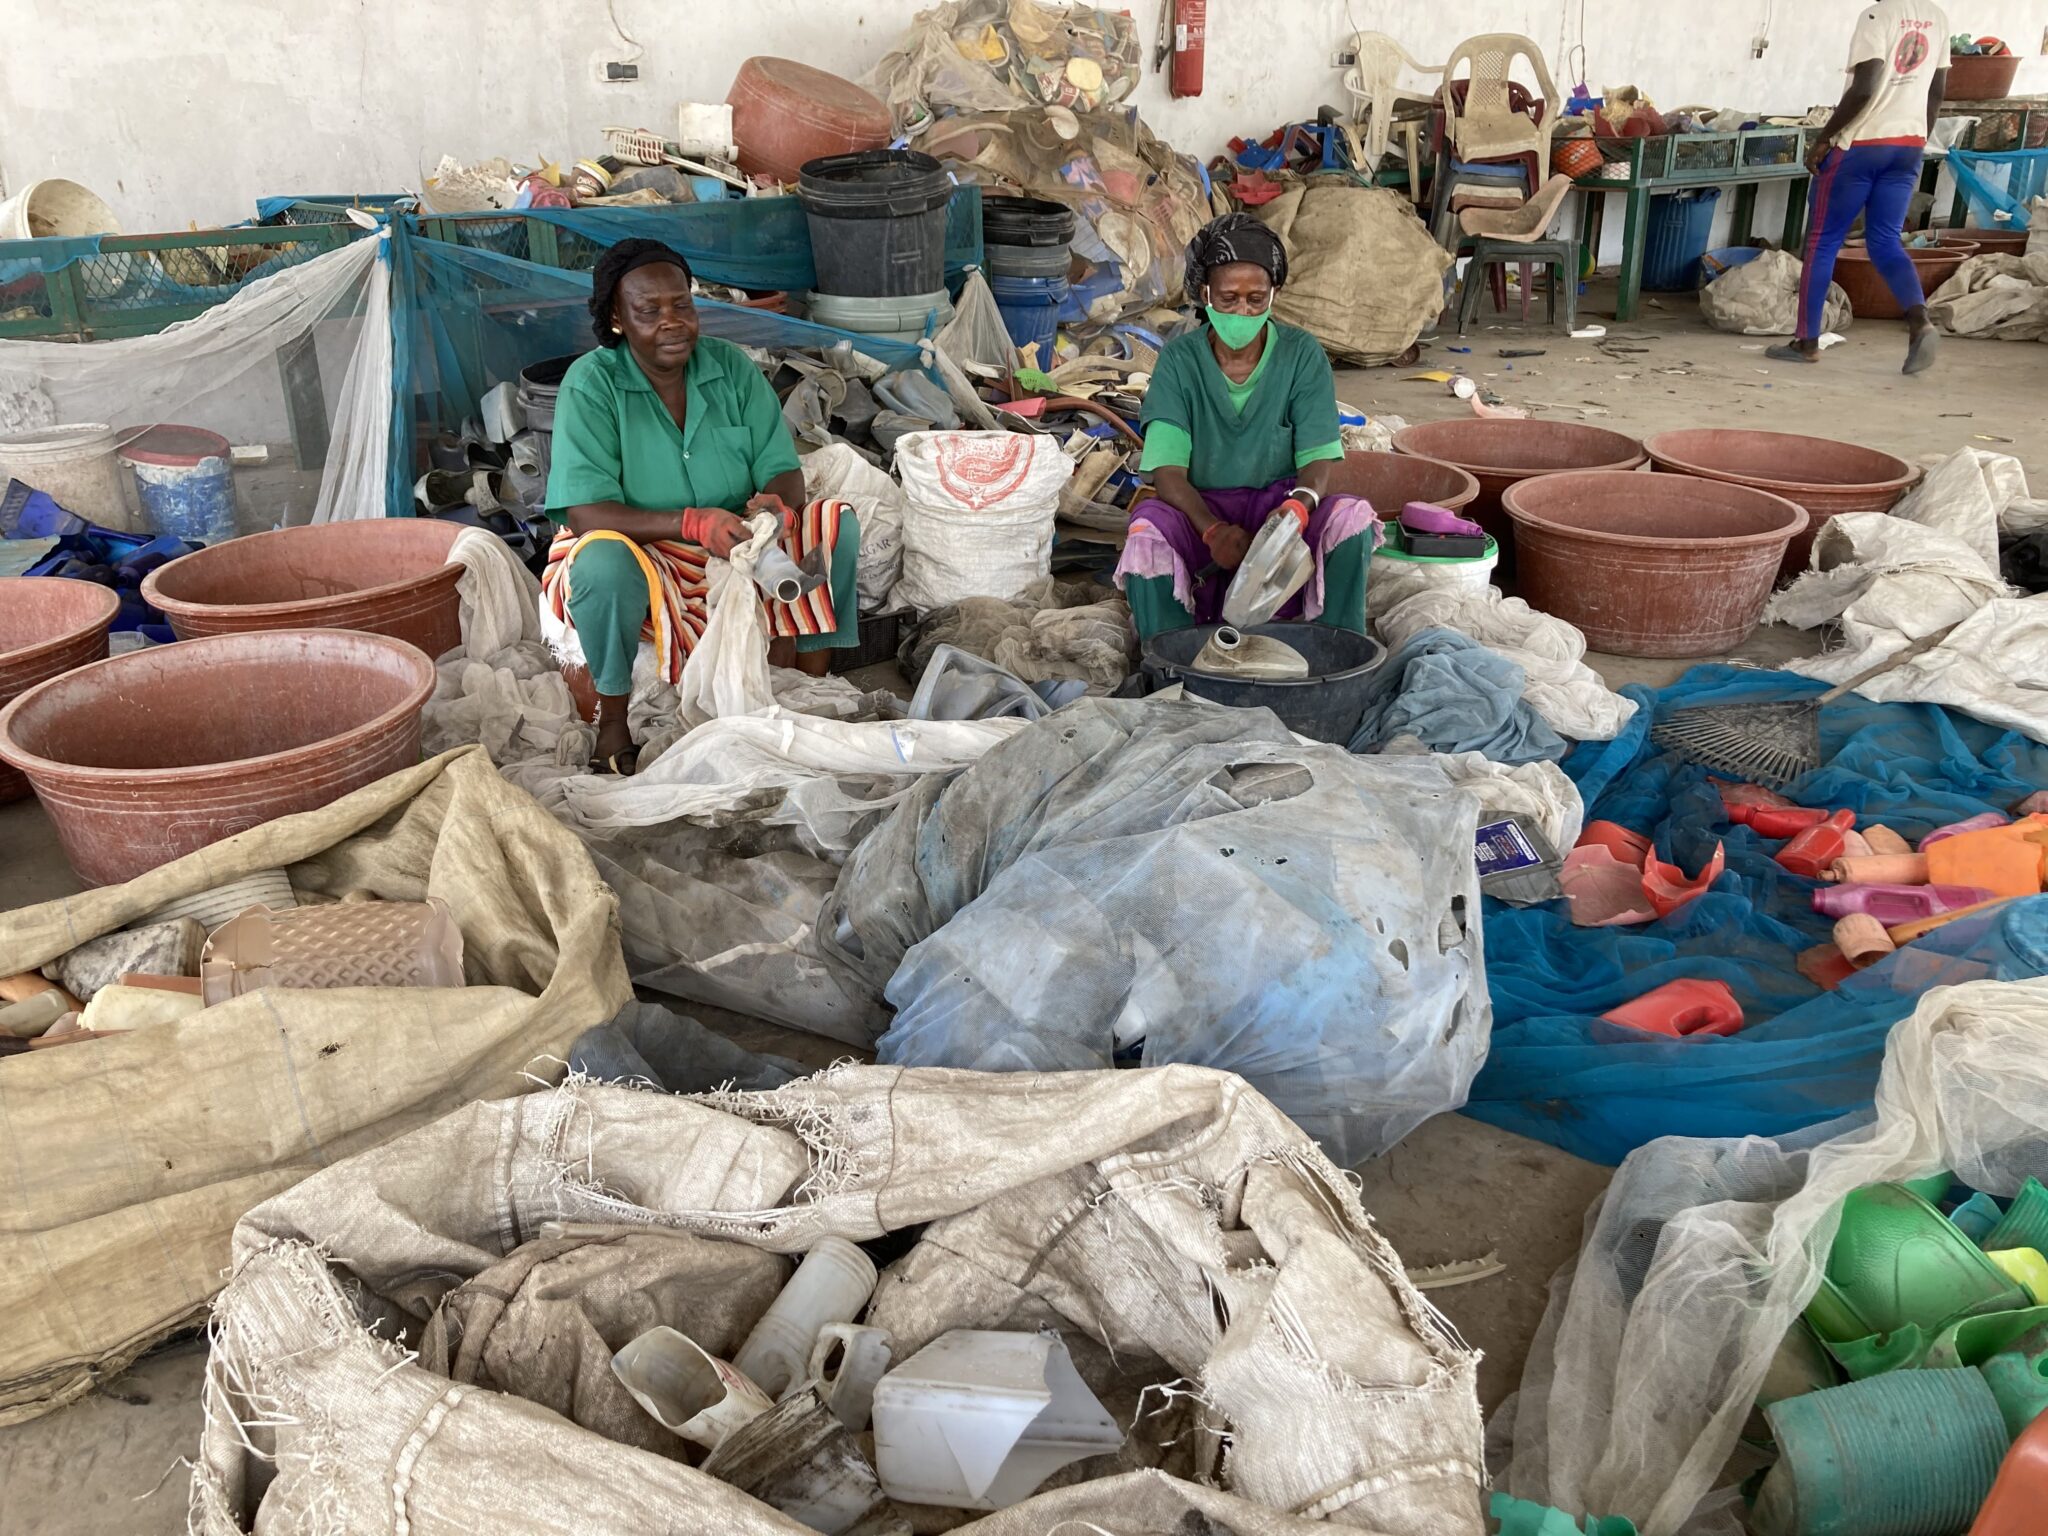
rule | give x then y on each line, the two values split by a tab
1867	161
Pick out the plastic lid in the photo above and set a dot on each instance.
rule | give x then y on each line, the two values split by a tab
166	443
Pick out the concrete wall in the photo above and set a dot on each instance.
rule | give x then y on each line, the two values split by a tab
184	111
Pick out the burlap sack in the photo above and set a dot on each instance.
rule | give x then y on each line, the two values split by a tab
1364	276
1212	1272
130	1160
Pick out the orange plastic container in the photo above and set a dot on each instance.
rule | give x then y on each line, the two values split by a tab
1681	1008
1667	886
48	625
2020	1496
2006	861
1813	850
1628	847
785	113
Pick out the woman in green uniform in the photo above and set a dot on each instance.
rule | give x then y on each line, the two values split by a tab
1240	420
665	441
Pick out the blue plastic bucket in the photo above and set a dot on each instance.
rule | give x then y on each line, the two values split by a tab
1680	226
184	480
1031	310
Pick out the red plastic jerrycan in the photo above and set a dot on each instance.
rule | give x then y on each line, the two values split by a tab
1679	1008
1813	850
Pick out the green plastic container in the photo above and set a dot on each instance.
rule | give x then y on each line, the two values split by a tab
1913	1453
2026	1221
1898	1262
2020	1384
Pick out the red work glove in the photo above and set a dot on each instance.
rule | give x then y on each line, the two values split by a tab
768	501
1295	507
1227	542
717	530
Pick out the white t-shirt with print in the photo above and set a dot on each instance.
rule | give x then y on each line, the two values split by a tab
1910	38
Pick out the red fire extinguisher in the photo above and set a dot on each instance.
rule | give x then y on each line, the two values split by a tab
1190	42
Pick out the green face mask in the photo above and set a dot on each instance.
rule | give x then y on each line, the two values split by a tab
1237	331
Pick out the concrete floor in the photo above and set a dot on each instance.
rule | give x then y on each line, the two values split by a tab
1455	1189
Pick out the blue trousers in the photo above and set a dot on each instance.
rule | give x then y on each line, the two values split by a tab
1877	181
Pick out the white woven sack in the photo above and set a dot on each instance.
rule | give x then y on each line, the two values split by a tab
977	513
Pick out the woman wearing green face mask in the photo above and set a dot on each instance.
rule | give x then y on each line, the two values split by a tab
1240	421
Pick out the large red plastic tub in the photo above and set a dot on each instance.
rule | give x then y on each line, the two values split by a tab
48	625
1651	565
1391	480
1500	453
384	576
785	114
1825	477
143	758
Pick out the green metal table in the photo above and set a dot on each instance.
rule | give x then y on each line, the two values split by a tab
1678	162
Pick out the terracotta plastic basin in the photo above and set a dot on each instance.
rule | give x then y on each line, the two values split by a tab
1499	453
1870	296
143	758
1825	477
1651	565
384	576
48	625
1391	480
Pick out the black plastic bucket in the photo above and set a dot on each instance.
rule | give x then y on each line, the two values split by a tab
878	222
1026	221
1025	260
1325	706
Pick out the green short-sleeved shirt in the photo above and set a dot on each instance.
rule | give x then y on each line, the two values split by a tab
615	440
1288	418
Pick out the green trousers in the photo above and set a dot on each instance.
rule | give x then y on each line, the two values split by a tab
1154	608
608	606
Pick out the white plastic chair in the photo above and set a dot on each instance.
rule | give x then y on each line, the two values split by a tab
1374	82
1486	126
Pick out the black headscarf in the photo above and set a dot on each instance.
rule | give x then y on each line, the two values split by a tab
614	264
1234	237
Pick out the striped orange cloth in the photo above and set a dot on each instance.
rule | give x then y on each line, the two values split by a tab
677	587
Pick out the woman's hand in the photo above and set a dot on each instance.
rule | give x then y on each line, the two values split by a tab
768	501
721	532
1227	542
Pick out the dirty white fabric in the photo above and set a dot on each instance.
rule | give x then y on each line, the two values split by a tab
1887	580
131	1159
1561	687
1055	628
2004	297
978	511
1175	1228
221	368
727	670
1703	1253
838	471
1543	792
829	778
1761	298
1196	879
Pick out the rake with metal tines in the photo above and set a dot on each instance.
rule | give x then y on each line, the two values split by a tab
1769	744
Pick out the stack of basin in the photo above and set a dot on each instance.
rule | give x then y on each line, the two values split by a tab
1825	477
383	576
148	756
48	625
1499	453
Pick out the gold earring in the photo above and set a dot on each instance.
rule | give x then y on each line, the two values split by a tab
618	330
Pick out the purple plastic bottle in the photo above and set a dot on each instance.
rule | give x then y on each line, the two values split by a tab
1983	823
1895	904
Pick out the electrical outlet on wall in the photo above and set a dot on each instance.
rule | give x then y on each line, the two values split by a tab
1343	59
1759	45
610	71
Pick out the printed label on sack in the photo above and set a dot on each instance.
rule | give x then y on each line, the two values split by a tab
1502	848
980	470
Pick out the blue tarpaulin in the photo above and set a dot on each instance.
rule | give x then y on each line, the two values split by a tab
1558	1073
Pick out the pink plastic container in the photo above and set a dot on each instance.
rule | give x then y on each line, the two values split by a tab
1980	823
1895	904
145	757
